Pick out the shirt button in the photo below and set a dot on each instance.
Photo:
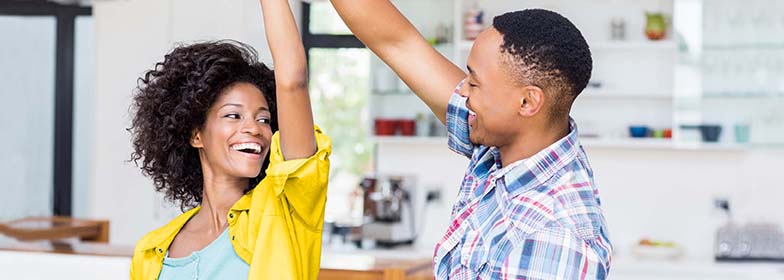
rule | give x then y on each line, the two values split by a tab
231	215
160	250
232	237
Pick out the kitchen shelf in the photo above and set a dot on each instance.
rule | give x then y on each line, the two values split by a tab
659	144
666	45
774	94
594	93
588	93
735	47
392	92
410	140
589	142
466	45
627	143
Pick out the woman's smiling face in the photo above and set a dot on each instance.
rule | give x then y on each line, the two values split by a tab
235	138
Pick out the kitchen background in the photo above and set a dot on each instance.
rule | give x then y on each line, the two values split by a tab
682	123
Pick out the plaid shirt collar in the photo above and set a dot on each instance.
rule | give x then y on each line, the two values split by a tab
531	172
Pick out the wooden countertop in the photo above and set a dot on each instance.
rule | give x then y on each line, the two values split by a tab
366	266
71	247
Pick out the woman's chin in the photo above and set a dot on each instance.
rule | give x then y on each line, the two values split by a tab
249	173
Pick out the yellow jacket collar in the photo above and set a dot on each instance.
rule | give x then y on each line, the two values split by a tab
167	233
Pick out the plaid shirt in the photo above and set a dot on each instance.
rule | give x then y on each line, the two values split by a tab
537	218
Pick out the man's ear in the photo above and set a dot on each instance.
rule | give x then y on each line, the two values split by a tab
196	139
532	100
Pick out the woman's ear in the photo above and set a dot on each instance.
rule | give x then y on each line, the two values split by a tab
532	100
196	139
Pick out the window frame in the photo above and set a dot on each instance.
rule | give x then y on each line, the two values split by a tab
65	18
324	41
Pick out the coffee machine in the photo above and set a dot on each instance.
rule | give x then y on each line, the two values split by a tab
388	210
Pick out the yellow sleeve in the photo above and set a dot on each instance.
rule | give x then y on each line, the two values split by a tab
288	243
302	181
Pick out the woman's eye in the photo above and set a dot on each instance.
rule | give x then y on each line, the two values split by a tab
471	85
232	116
264	120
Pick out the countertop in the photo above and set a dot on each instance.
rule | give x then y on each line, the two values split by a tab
409	260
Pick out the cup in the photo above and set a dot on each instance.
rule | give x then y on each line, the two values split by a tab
742	133
638	131
407	127
386	127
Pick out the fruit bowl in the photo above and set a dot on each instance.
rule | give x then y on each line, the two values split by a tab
653	250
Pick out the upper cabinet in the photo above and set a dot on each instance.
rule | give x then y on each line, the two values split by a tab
732	71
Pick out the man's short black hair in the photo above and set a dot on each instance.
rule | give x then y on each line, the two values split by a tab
545	49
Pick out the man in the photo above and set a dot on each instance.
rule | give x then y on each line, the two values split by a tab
527	207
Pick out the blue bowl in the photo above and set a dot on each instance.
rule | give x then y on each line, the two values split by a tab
638	131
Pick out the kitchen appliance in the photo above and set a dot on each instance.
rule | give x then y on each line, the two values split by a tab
389	212
749	242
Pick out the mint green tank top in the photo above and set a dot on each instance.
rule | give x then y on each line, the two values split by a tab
216	261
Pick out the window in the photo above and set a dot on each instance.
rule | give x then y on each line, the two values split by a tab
39	53
339	87
28	66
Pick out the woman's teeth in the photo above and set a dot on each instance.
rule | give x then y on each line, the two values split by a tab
247	148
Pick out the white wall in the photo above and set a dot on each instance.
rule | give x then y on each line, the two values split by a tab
130	37
668	195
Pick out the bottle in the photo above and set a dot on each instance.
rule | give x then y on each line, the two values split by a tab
618	29
472	23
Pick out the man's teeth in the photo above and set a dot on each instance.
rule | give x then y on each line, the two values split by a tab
256	148
471	116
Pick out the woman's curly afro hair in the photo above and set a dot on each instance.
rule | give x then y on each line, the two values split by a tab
171	101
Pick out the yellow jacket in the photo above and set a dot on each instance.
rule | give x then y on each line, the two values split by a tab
276	227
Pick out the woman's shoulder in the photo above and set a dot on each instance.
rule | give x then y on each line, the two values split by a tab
161	237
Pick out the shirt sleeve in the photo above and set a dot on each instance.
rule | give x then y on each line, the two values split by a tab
303	182
457	124
553	253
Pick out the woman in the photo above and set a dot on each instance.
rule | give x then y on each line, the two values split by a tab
203	131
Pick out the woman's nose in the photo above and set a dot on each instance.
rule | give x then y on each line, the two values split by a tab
251	127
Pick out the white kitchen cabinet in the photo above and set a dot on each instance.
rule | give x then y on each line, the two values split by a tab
632	269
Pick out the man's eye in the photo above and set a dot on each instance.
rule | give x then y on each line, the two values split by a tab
264	120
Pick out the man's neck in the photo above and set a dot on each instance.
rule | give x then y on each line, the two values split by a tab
528	144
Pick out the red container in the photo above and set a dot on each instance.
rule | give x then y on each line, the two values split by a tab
667	133
386	127
407	127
